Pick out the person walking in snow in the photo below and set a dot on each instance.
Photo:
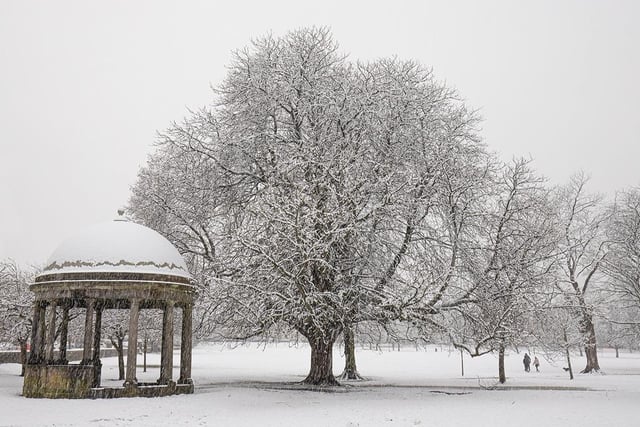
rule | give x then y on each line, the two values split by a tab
527	362
536	363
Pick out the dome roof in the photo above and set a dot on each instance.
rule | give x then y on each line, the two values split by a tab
118	246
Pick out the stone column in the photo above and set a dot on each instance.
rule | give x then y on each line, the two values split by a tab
132	350
64	335
166	355
51	333
42	327
36	334
185	345
96	334
88	332
97	365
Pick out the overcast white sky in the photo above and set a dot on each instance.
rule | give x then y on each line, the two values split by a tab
85	85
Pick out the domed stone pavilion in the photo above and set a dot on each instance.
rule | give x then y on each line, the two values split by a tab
113	265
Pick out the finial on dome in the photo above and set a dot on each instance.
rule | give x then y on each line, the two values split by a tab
121	216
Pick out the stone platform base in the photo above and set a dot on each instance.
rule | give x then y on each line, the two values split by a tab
77	382
141	390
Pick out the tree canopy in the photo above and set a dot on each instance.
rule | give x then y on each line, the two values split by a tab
309	189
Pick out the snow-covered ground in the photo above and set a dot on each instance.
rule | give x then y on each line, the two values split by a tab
247	386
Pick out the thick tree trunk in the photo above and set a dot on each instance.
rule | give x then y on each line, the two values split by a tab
590	349
23	355
501	375
321	371
350	371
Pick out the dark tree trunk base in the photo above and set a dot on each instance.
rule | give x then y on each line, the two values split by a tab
321	371
350	370
592	359
353	376
326	382
590	349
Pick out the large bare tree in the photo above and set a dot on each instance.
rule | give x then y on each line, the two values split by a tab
306	195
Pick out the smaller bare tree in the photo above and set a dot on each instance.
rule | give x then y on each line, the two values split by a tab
584	248
115	323
515	254
16	303
622	264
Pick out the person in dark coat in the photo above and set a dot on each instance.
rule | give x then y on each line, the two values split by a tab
527	362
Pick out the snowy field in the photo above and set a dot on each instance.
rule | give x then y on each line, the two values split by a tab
250	386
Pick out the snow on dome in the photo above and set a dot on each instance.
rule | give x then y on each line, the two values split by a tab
117	246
